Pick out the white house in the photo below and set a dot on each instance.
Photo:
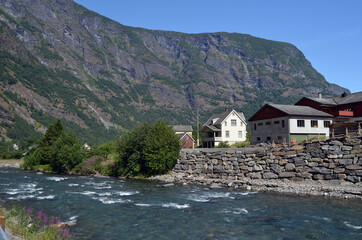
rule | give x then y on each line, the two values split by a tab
289	123
229	126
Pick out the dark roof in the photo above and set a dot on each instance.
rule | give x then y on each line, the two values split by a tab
340	100
219	117
182	128
295	110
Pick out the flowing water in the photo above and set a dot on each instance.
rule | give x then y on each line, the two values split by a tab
106	208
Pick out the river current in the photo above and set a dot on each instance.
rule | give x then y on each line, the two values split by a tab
106	208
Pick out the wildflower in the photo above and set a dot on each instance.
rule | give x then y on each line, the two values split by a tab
52	221
40	214
29	211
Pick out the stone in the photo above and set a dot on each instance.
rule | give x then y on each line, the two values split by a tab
312	146
305	175
345	161
346	148
352	141
289	167
251	163
286	174
254	175
257	168
199	166
300	162
332	156
353	179
321	170
168	185
354	167
341	176
312	164
275	168
282	162
318	177
332	165
215	185
270	175
335	142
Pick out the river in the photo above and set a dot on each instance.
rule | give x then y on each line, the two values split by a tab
106	208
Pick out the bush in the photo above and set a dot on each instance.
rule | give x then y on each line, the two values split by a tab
147	150
223	145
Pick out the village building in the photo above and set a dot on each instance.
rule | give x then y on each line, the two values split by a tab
289	123
344	108
229	126
184	132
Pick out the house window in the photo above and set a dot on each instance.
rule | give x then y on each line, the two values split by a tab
314	123
258	139
233	122
280	138
254	126
260	124
241	123
268	138
226	123
227	134
240	134
327	124
276	122
300	123
283	123
267	123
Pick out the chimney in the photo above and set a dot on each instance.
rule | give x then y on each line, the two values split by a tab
320	95
226	109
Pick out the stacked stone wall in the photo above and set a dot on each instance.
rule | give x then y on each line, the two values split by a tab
331	160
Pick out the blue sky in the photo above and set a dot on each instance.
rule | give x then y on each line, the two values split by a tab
329	33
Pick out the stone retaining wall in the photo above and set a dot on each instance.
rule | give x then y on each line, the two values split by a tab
331	160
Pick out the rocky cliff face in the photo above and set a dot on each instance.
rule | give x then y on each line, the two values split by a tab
60	60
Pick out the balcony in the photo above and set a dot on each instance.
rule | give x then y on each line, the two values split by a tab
345	113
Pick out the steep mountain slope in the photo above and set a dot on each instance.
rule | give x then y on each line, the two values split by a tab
60	60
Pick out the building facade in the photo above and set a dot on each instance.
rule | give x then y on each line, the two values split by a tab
229	127
289	123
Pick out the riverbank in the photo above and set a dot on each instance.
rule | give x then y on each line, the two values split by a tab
13	163
335	189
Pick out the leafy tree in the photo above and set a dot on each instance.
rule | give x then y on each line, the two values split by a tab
63	151
67	153
147	150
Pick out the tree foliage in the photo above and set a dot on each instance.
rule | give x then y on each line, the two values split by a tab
147	150
62	151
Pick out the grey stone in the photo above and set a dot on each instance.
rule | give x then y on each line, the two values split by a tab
345	161
215	185
286	174
346	148
353	179
335	142
312	146
318	177
257	168
269	175
251	163
321	170
289	167
352	141
199	166
275	168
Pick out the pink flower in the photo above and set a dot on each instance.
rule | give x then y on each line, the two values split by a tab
29	211
40	214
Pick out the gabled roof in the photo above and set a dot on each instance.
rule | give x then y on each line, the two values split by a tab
182	128
182	135
340	100
215	120
295	110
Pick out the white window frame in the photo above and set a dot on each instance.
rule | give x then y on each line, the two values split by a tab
227	134
233	122
240	134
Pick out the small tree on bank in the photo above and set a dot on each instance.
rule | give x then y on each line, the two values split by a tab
147	150
61	150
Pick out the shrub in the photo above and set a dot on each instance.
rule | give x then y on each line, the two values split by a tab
147	150
223	145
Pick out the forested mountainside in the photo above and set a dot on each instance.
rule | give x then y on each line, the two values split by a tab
60	60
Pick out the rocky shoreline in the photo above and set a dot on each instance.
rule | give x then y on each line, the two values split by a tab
11	163
335	189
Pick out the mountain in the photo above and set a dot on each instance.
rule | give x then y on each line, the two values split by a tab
60	60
